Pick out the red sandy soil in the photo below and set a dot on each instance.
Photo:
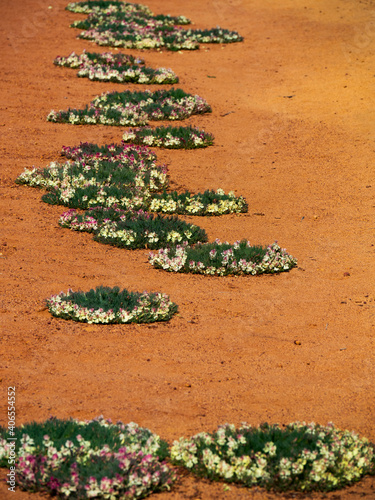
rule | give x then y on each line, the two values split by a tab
293	112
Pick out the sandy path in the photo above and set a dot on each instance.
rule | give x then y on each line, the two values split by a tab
293	109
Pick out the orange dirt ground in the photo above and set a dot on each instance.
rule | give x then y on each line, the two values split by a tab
293	112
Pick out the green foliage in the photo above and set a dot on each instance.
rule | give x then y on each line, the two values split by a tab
60	431
90	150
207	203
214	35
152	233
99	170
130	27
222	259
107	176
300	456
203	253
138	97
93	58
118	68
170	137
115	173
108	305
119	59
104	298
89	196
100	175
113	21
134	108
89	6
88	459
129	229
134	157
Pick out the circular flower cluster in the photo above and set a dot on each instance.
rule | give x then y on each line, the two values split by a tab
122	175
128	74
134	108
89	459
107	6
112	25
76	61
170	137
70	177
207	203
105	305
126	197
130	229
144	31
222	259
300	457
130	35
118	68
113	174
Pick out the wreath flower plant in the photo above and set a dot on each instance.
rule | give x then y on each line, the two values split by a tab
83	194
208	203
128	198
131	166
126	19
223	259
169	137
130	229
121	26
107	151
88	459
134	34
123	175
76	61
128	154
302	457
108	6
110	305
134	108
118	68
99	459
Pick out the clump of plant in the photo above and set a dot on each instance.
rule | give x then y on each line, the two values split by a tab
98	175
125	27
222	259
101	173
75	61
118	68
89	459
104	184
80	193
139	33
123	9
123	175
110	305
208	203
129	229
132	20
126	197
170	137
107	6
134	108
140	157
300	456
